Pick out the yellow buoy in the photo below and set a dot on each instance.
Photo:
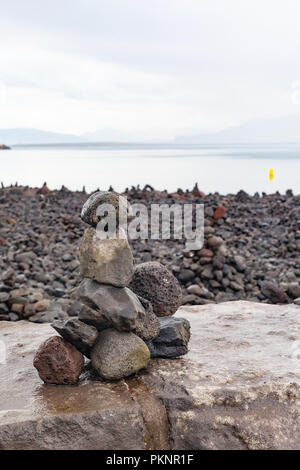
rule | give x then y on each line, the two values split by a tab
271	174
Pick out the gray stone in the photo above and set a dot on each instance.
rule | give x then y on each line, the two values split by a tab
207	272
4	296
237	388
294	290
194	289
54	312
173	338
239	263
13	316
186	275
89	209
81	335
117	307
156	283
116	354
108	261
214	242
272	292
48	316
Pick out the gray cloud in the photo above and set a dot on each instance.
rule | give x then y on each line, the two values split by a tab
161	67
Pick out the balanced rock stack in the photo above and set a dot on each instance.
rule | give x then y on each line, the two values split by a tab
118	327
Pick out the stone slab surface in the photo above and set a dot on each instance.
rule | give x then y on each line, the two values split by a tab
237	388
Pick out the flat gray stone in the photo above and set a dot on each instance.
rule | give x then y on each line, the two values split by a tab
117	307
81	335
237	388
108	261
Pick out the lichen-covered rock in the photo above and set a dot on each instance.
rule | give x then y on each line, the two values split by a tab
89	209
58	362
148	327
156	283
107	261
81	335
117	307
116	354
173	338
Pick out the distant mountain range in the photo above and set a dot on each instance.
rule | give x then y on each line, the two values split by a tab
283	129
36	136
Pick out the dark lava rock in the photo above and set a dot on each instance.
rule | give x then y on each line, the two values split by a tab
58	362
149	327
172	340
272	292
157	284
186	275
76	332
117	307
116	354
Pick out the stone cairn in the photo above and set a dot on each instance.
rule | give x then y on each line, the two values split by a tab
124	315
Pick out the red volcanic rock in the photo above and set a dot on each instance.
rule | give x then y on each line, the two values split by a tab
58	362
220	212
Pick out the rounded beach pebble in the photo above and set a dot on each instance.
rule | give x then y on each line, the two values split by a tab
58	362
119	354
89	209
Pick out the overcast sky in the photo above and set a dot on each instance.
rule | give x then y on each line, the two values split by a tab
151	69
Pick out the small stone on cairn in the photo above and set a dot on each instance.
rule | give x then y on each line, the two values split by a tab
118	327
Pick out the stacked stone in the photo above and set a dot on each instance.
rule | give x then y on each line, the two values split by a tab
124	314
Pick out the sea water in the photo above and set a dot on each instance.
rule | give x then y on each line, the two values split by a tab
222	168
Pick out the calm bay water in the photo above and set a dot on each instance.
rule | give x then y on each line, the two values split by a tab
222	168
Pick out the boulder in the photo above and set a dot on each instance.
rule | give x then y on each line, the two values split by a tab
89	209
81	335
108	261
116	354
237	388
156	283
58	362
173	338
117	307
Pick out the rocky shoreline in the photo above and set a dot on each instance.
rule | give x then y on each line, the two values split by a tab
251	249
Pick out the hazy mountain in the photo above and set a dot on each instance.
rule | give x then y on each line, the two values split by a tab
283	129
35	136
116	135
